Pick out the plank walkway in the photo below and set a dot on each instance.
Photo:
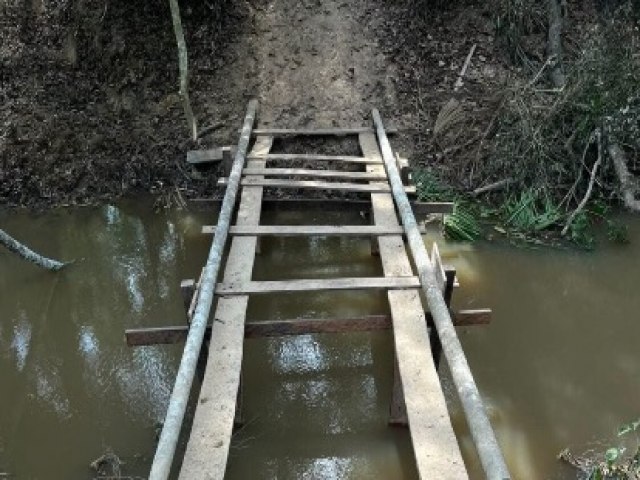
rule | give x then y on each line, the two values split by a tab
417	400
208	446
434	442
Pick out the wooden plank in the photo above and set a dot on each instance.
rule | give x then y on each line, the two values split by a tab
210	438
309	230
311	173
337	204
299	132
136	337
311	157
315	285
213	155
434	442
315	230
315	185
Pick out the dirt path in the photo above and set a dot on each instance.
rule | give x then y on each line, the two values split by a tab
89	108
319	64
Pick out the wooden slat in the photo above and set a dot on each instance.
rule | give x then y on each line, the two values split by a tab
315	230
309	230
337	131
334	204
434	442
136	337
307	172
196	157
210	438
315	185
311	157
315	285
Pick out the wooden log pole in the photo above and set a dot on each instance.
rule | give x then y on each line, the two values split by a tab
167	443
484	438
25	252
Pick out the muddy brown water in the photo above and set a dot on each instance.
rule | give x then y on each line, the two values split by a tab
557	367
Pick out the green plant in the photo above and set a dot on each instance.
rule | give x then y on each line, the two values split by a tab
615	465
430	188
530	212
461	225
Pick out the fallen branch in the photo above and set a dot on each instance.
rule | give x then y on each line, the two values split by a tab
492	186
627	185
184	69
25	252
592	180
463	72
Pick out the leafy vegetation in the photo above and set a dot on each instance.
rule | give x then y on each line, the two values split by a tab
617	463
545	139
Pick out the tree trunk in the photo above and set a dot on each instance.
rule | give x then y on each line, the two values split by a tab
554	44
28	254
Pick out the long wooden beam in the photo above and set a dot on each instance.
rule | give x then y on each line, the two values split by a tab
137	337
431	431
487	446
163	459
210	438
316	285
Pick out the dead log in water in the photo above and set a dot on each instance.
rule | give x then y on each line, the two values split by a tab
25	252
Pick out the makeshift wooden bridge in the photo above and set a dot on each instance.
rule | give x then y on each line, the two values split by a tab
420	331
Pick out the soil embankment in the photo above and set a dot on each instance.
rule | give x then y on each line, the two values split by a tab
89	88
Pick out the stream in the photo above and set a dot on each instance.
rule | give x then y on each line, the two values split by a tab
557	367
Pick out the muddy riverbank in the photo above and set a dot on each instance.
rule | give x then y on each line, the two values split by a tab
90	110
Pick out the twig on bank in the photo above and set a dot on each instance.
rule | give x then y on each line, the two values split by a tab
463	72
592	180
492	186
577	182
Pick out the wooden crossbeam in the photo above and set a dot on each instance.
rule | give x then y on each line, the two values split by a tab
331	131
316	185
316	285
337	204
311	173
137	337
197	157
311	157
310	230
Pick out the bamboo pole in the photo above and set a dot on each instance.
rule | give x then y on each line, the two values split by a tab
184	68
484	438
25	252
177	404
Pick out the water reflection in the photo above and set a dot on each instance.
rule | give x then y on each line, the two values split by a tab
65	372
557	367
